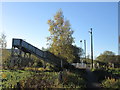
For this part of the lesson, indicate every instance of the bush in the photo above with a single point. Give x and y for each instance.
(41, 80)
(51, 80)
(111, 83)
(114, 71)
(10, 78)
(36, 69)
(73, 80)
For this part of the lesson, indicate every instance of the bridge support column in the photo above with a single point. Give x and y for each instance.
(20, 52)
(12, 51)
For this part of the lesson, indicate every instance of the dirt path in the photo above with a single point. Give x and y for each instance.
(91, 80)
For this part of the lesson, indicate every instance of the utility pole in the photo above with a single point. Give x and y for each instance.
(91, 46)
(85, 48)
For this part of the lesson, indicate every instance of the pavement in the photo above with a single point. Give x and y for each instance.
(92, 81)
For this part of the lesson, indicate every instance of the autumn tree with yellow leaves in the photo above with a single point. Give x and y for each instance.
(60, 39)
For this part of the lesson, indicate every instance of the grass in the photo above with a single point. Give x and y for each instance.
(10, 78)
(42, 79)
(29, 78)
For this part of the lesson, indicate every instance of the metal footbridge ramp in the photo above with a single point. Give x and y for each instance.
(26, 47)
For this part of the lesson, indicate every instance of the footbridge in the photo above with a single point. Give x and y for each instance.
(29, 49)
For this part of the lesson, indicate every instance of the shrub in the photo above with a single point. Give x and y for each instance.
(51, 80)
(111, 83)
(4, 75)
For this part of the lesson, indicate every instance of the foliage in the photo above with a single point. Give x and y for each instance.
(51, 80)
(19, 62)
(40, 80)
(43, 79)
(36, 69)
(3, 42)
(5, 57)
(107, 57)
(101, 74)
(87, 60)
(114, 71)
(111, 83)
(60, 39)
(5, 54)
(109, 78)
(73, 80)
(35, 61)
(10, 78)
(77, 52)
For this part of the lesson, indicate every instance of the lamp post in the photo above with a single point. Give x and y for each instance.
(91, 46)
(81, 48)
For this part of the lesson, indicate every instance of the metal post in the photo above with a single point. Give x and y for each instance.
(12, 51)
(20, 51)
(81, 48)
(85, 48)
(91, 46)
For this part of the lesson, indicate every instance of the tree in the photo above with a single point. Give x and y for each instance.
(3, 42)
(77, 52)
(5, 53)
(107, 57)
(87, 60)
(60, 39)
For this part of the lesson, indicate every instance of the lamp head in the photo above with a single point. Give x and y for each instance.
(80, 40)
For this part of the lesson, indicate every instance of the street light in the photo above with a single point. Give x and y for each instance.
(91, 46)
(81, 48)
(81, 43)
